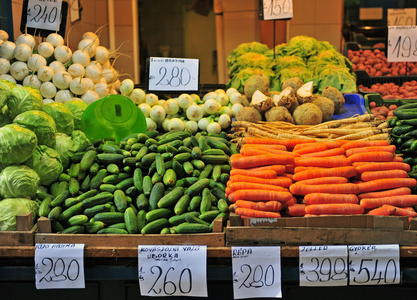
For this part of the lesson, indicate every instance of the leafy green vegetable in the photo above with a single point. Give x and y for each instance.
(42, 124)
(18, 182)
(22, 99)
(284, 62)
(300, 45)
(338, 77)
(250, 60)
(46, 163)
(63, 117)
(12, 207)
(65, 147)
(17, 144)
(80, 139)
(303, 73)
(77, 107)
(245, 48)
(4, 118)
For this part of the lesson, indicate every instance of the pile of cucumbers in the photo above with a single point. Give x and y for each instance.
(149, 183)
(404, 134)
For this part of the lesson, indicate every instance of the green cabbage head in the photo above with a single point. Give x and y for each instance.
(24, 98)
(65, 147)
(63, 117)
(46, 163)
(17, 144)
(18, 182)
(77, 107)
(12, 207)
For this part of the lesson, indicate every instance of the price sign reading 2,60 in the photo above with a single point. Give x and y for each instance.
(402, 43)
(183, 283)
(173, 74)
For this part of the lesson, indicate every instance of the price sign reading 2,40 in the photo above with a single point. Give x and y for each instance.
(59, 266)
(402, 43)
(173, 74)
(44, 14)
(256, 272)
(277, 9)
(172, 270)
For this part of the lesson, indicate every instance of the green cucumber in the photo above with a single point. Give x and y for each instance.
(155, 226)
(171, 198)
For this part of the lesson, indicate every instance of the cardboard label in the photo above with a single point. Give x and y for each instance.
(402, 43)
(401, 17)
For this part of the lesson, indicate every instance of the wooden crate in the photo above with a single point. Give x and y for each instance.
(214, 239)
(333, 230)
(24, 234)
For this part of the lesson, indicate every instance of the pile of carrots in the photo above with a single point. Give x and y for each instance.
(271, 178)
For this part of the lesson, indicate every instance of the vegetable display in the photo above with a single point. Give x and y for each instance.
(393, 91)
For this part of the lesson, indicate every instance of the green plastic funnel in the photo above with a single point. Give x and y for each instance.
(114, 116)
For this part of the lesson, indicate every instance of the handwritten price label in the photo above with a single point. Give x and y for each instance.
(276, 9)
(43, 14)
(173, 74)
(374, 264)
(59, 266)
(402, 43)
(401, 17)
(323, 265)
(256, 272)
(172, 270)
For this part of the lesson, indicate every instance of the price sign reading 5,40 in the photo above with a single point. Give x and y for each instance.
(374, 264)
(173, 74)
(172, 270)
(276, 9)
(43, 14)
(323, 265)
(402, 43)
(59, 266)
(256, 272)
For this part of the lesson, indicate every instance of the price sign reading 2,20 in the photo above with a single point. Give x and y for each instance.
(173, 74)
(402, 43)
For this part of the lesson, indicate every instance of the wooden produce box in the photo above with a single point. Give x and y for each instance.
(213, 239)
(24, 234)
(325, 230)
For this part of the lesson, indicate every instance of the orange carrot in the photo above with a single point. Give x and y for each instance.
(253, 213)
(324, 162)
(256, 186)
(252, 140)
(260, 195)
(326, 153)
(386, 193)
(252, 151)
(232, 207)
(227, 191)
(390, 148)
(326, 198)
(269, 146)
(279, 169)
(301, 168)
(398, 159)
(382, 211)
(315, 147)
(279, 181)
(246, 162)
(403, 200)
(266, 206)
(381, 156)
(324, 180)
(335, 208)
(296, 210)
(329, 144)
(372, 175)
(337, 188)
(398, 211)
(359, 143)
(288, 203)
(248, 151)
(361, 163)
(288, 175)
(385, 184)
(260, 174)
(383, 166)
(347, 172)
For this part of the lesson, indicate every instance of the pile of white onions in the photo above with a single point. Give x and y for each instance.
(59, 72)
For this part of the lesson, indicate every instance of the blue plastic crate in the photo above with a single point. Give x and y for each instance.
(354, 105)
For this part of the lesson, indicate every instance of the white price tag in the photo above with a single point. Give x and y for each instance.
(277, 9)
(59, 266)
(374, 264)
(323, 265)
(402, 43)
(172, 270)
(43, 14)
(401, 17)
(256, 272)
(173, 74)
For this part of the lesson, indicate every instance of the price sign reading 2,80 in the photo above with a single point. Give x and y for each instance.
(402, 43)
(173, 74)
(172, 270)
(59, 266)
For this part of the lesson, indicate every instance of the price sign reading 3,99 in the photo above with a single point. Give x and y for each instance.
(43, 14)
(256, 272)
(172, 270)
(59, 266)
(323, 265)
(276, 9)
(374, 264)
(173, 74)
(402, 43)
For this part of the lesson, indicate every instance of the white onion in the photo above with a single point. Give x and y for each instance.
(236, 107)
(48, 90)
(22, 52)
(63, 96)
(235, 97)
(185, 100)
(102, 54)
(223, 99)
(96, 64)
(211, 106)
(8, 77)
(90, 96)
(19, 70)
(145, 108)
(62, 80)
(93, 72)
(176, 124)
(151, 124)
(46, 101)
(46, 49)
(91, 36)
(209, 95)
(126, 87)
(55, 39)
(57, 66)
(171, 106)
(36, 61)
(117, 84)
(231, 91)
(81, 57)
(224, 121)
(4, 66)
(78, 86)
(157, 113)
(203, 123)
(151, 99)
(164, 124)
(90, 83)
(110, 75)
(7, 49)
(76, 70)
(194, 112)
(192, 126)
(214, 127)
(63, 54)
(32, 80)
(4, 35)
(102, 89)
(87, 46)
(26, 39)
(137, 96)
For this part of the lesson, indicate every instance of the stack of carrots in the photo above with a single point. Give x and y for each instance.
(308, 178)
